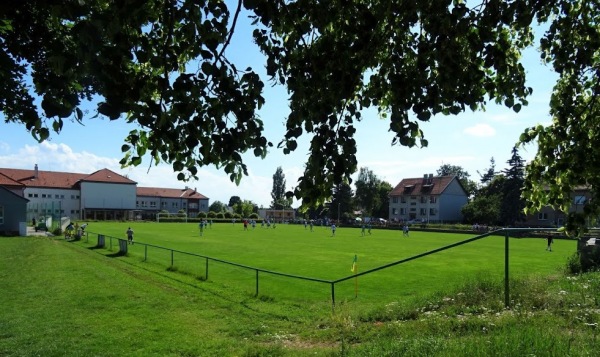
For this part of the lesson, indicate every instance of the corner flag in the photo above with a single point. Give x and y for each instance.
(354, 268)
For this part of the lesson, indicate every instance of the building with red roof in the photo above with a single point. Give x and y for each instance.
(151, 200)
(428, 199)
(101, 195)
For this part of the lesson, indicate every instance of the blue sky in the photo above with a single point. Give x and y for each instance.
(468, 140)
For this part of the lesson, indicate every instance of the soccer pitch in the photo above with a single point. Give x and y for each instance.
(295, 250)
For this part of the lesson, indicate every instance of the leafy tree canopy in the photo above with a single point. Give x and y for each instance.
(233, 200)
(278, 194)
(217, 206)
(162, 64)
(568, 155)
(366, 195)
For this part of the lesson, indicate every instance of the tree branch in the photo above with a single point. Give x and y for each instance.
(235, 17)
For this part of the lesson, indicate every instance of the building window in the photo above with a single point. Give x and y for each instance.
(423, 211)
(395, 199)
(56, 196)
(174, 205)
(394, 211)
(403, 199)
(579, 200)
(432, 199)
(35, 195)
(30, 195)
(423, 199)
(152, 204)
(1, 214)
(432, 211)
(542, 216)
(44, 195)
(183, 204)
(402, 211)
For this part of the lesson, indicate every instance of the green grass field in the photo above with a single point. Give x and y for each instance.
(71, 299)
(294, 250)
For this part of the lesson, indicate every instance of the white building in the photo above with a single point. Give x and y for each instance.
(428, 199)
(102, 195)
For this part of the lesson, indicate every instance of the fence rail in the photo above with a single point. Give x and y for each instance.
(101, 242)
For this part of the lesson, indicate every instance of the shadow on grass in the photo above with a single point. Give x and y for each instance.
(116, 255)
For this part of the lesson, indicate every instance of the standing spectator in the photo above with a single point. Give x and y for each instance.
(550, 240)
(333, 229)
(129, 235)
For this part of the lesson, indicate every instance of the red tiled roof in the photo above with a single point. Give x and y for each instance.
(48, 179)
(106, 175)
(7, 181)
(54, 179)
(417, 186)
(169, 192)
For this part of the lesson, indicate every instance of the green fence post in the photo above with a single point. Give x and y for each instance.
(333, 296)
(256, 283)
(506, 283)
(145, 252)
(206, 275)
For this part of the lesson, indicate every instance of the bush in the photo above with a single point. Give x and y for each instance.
(574, 264)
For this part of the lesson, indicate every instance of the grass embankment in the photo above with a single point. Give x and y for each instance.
(62, 299)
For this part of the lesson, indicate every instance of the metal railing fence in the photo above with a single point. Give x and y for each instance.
(171, 254)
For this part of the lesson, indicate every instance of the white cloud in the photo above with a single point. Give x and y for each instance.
(480, 130)
(212, 183)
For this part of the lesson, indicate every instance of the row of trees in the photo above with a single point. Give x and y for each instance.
(245, 208)
(496, 199)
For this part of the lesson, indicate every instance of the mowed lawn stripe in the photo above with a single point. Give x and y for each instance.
(291, 249)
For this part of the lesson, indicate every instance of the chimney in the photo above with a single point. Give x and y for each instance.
(424, 179)
(430, 179)
(35, 171)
